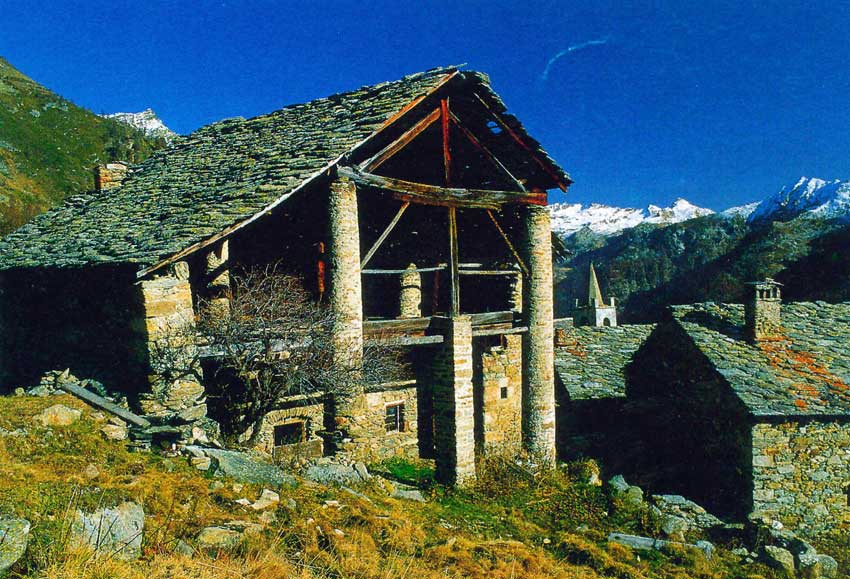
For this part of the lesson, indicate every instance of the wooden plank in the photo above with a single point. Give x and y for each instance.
(487, 152)
(488, 272)
(408, 340)
(486, 318)
(400, 271)
(447, 154)
(305, 183)
(543, 165)
(405, 139)
(454, 279)
(385, 234)
(104, 404)
(509, 244)
(425, 194)
(499, 331)
(396, 325)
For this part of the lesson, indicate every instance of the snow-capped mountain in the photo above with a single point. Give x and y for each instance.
(741, 211)
(819, 198)
(567, 218)
(147, 122)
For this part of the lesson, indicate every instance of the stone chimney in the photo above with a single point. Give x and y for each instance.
(763, 310)
(109, 176)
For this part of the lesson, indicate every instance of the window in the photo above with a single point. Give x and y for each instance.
(394, 418)
(291, 433)
(503, 392)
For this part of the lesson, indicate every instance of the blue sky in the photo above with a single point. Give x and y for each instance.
(718, 102)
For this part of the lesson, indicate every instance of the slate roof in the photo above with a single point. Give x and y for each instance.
(592, 361)
(221, 175)
(805, 374)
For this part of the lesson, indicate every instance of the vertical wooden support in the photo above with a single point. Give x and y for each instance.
(447, 155)
(454, 281)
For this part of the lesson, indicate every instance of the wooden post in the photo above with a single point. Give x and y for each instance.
(454, 280)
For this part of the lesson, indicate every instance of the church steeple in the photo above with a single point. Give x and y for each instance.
(595, 311)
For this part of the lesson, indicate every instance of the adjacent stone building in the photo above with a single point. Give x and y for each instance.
(743, 408)
(414, 210)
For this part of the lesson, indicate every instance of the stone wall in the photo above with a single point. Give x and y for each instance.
(394, 443)
(311, 413)
(801, 474)
(498, 373)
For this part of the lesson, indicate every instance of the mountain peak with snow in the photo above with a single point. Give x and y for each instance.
(816, 197)
(568, 218)
(146, 121)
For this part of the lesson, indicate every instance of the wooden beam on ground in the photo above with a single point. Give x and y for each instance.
(454, 279)
(508, 242)
(425, 194)
(387, 152)
(487, 152)
(385, 234)
(104, 404)
(519, 140)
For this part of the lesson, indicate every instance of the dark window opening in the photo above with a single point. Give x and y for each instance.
(291, 433)
(394, 418)
(606, 322)
(503, 392)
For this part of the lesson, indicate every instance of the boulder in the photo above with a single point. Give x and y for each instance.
(248, 468)
(809, 566)
(114, 432)
(674, 527)
(14, 536)
(828, 567)
(201, 462)
(334, 473)
(116, 532)
(58, 415)
(692, 513)
(623, 491)
(268, 499)
(618, 484)
(779, 558)
(649, 544)
(408, 494)
(219, 539)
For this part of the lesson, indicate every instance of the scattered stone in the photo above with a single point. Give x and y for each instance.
(650, 544)
(267, 500)
(618, 484)
(354, 493)
(58, 415)
(828, 566)
(362, 471)
(674, 527)
(199, 436)
(332, 473)
(14, 536)
(219, 539)
(693, 514)
(216, 485)
(20, 392)
(183, 548)
(114, 432)
(113, 531)
(243, 502)
(407, 493)
(247, 468)
(267, 517)
(780, 559)
(97, 416)
(201, 462)
(91, 472)
(623, 491)
(809, 566)
(290, 504)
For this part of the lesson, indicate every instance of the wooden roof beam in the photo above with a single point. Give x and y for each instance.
(425, 194)
(400, 143)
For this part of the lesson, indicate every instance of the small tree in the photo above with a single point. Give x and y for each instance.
(271, 342)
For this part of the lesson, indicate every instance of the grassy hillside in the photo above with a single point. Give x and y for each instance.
(48, 147)
(710, 259)
(512, 524)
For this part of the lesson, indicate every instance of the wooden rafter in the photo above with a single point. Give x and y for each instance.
(385, 234)
(447, 153)
(519, 140)
(487, 152)
(508, 242)
(426, 194)
(387, 152)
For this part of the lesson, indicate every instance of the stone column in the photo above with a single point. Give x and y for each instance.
(176, 393)
(346, 303)
(454, 411)
(538, 368)
(410, 296)
(218, 280)
(516, 291)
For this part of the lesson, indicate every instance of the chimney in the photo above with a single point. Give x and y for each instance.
(109, 176)
(762, 312)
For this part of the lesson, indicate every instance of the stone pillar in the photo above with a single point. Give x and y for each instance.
(454, 411)
(109, 176)
(516, 291)
(763, 311)
(176, 393)
(217, 275)
(410, 296)
(346, 303)
(538, 367)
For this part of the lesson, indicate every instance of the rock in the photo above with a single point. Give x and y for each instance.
(219, 538)
(201, 462)
(674, 527)
(828, 566)
(334, 473)
(629, 494)
(243, 502)
(114, 432)
(97, 416)
(809, 566)
(91, 472)
(290, 504)
(780, 559)
(706, 547)
(362, 471)
(183, 548)
(113, 531)
(20, 392)
(247, 468)
(58, 415)
(14, 536)
(408, 495)
(618, 484)
(267, 500)
(679, 506)
(650, 544)
(199, 435)
(633, 496)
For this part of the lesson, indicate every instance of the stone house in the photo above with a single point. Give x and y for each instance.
(464, 283)
(743, 408)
